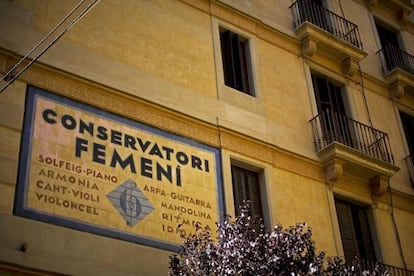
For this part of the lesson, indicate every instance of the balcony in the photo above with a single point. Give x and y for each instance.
(344, 144)
(398, 69)
(393, 270)
(324, 32)
(362, 265)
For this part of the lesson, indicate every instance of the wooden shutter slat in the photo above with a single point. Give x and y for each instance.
(355, 232)
(255, 198)
(246, 186)
(366, 239)
(237, 188)
(346, 229)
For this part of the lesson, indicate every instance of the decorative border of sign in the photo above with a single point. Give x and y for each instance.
(20, 204)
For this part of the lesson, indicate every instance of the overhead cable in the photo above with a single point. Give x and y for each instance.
(12, 74)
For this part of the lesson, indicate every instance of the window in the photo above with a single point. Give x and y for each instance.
(408, 125)
(246, 187)
(328, 95)
(393, 55)
(386, 36)
(355, 232)
(313, 12)
(331, 108)
(235, 53)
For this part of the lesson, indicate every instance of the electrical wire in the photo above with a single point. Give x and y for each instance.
(389, 182)
(41, 41)
(395, 226)
(13, 75)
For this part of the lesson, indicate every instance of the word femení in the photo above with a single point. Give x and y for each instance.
(135, 163)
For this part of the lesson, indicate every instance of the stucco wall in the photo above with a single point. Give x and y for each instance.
(167, 54)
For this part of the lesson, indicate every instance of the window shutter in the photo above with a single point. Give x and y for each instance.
(347, 230)
(365, 240)
(227, 57)
(254, 194)
(237, 179)
(355, 232)
(244, 67)
(246, 186)
(236, 58)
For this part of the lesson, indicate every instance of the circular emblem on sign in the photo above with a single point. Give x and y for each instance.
(130, 202)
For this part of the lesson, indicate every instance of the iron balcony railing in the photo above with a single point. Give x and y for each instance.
(377, 268)
(392, 57)
(308, 10)
(330, 126)
(409, 160)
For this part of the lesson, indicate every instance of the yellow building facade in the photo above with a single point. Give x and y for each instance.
(145, 115)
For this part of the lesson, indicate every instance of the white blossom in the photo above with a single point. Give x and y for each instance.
(242, 247)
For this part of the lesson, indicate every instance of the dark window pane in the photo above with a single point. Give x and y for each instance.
(328, 95)
(331, 106)
(236, 61)
(313, 12)
(386, 36)
(390, 47)
(408, 124)
(226, 51)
